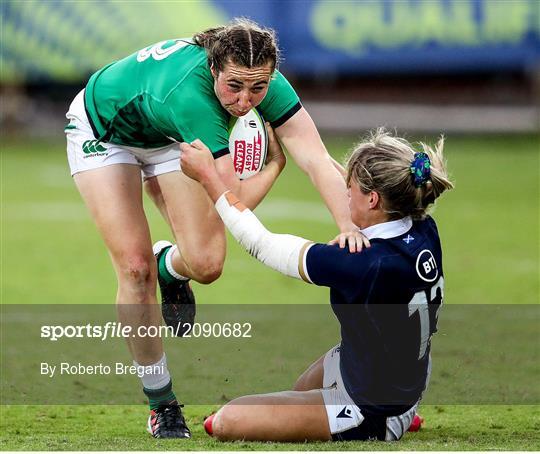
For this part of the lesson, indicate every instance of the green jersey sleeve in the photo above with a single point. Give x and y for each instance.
(281, 102)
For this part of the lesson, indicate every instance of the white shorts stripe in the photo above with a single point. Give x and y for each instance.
(342, 412)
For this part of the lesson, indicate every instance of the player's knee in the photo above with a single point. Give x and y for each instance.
(137, 272)
(210, 274)
(310, 379)
(205, 269)
(301, 384)
(227, 423)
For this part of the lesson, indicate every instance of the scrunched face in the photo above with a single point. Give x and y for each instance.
(240, 89)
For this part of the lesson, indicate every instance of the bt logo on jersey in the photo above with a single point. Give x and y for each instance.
(426, 267)
(429, 265)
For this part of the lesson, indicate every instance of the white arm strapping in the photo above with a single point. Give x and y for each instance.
(277, 251)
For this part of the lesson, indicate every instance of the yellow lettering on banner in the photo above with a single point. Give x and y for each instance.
(507, 21)
(368, 24)
(352, 26)
(344, 25)
(405, 23)
(463, 27)
(397, 30)
(432, 23)
(323, 25)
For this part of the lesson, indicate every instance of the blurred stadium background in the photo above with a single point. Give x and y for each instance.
(467, 68)
(419, 65)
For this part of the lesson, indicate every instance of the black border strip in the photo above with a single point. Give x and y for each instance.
(94, 130)
(220, 153)
(277, 123)
(107, 135)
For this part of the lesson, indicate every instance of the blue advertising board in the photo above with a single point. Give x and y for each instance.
(66, 41)
(401, 36)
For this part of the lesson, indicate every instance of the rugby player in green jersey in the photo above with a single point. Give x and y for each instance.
(129, 119)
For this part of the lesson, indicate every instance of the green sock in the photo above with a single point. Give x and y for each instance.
(162, 268)
(159, 397)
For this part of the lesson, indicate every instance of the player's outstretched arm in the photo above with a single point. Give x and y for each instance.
(302, 140)
(283, 253)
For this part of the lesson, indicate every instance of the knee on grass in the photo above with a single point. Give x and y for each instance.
(227, 423)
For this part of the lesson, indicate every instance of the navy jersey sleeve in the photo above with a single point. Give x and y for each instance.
(349, 273)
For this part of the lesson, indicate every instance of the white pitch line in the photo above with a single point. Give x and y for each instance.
(277, 209)
(56, 176)
(270, 210)
(47, 211)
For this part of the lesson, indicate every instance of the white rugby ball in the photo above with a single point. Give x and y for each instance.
(248, 143)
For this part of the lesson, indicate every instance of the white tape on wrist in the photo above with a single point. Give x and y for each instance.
(283, 253)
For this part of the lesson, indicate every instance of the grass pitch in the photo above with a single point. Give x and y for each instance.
(51, 254)
(97, 428)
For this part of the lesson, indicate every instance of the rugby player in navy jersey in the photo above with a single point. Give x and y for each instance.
(386, 298)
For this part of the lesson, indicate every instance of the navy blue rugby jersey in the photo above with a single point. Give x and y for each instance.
(386, 299)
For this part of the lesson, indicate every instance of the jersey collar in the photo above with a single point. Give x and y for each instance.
(389, 229)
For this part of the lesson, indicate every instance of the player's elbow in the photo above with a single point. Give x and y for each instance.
(317, 164)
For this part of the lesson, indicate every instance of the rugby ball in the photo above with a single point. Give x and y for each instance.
(248, 143)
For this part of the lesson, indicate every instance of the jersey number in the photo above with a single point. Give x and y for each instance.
(419, 302)
(158, 52)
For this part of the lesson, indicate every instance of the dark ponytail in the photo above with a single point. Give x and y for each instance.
(243, 42)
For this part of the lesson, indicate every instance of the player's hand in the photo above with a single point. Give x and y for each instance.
(196, 160)
(275, 152)
(355, 239)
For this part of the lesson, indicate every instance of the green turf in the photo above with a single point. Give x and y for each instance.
(489, 227)
(471, 428)
(51, 254)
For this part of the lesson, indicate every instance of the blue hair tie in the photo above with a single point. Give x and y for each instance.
(420, 169)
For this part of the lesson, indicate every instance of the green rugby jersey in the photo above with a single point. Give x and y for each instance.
(166, 92)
